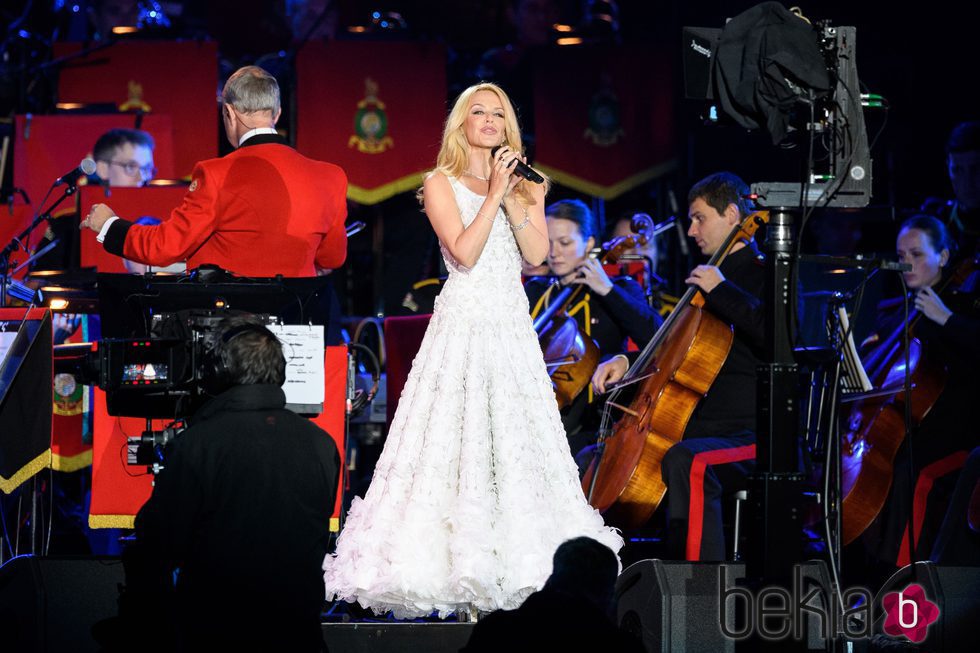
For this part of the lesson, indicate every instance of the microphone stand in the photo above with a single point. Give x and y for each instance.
(15, 243)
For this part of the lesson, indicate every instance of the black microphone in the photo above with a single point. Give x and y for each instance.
(522, 169)
(84, 169)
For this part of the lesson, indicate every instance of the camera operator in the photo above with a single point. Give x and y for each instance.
(241, 511)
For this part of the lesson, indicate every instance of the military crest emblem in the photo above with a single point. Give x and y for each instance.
(605, 119)
(68, 395)
(135, 100)
(370, 123)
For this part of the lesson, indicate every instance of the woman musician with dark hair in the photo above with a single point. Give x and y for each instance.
(609, 311)
(946, 325)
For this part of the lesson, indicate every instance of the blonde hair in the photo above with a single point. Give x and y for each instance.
(453, 156)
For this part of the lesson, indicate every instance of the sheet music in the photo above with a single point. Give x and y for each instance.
(6, 340)
(855, 378)
(303, 347)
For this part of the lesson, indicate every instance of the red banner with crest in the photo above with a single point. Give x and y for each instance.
(375, 109)
(604, 117)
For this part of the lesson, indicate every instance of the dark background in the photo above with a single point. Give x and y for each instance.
(921, 60)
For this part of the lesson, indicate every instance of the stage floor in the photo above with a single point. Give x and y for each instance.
(393, 636)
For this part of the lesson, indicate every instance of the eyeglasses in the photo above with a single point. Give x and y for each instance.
(131, 168)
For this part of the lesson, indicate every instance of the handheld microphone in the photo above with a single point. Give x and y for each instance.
(522, 169)
(85, 168)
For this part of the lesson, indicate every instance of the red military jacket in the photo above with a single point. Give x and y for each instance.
(259, 211)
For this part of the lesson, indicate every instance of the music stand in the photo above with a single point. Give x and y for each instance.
(25, 395)
(25, 405)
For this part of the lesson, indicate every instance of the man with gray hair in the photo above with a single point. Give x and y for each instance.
(260, 211)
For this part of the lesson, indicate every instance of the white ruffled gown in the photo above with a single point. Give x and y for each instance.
(475, 487)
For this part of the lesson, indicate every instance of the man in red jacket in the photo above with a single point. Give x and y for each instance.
(260, 211)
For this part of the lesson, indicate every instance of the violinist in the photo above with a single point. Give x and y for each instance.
(951, 428)
(717, 451)
(610, 311)
(623, 227)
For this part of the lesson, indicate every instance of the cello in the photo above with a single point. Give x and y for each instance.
(875, 428)
(570, 355)
(673, 372)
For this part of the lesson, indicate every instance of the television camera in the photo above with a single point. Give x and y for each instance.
(156, 357)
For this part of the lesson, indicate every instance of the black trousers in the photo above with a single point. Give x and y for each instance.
(698, 473)
(958, 544)
(927, 497)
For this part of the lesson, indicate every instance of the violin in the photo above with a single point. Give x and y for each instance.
(875, 428)
(674, 371)
(570, 355)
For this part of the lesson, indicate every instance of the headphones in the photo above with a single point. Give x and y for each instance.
(217, 372)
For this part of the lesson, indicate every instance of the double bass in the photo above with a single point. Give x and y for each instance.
(875, 428)
(570, 355)
(673, 372)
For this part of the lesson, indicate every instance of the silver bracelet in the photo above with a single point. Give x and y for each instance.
(518, 227)
(480, 214)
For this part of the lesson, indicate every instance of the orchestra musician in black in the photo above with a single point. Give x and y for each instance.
(612, 310)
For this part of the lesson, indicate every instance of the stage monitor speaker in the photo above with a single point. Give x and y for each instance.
(674, 607)
(48, 605)
(956, 590)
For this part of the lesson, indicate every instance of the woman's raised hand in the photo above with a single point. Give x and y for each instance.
(502, 177)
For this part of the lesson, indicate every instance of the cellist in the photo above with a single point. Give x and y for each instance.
(610, 311)
(951, 428)
(718, 449)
